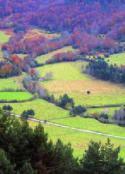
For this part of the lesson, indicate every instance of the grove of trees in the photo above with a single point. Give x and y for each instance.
(99, 68)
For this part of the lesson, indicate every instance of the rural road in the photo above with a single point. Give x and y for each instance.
(73, 128)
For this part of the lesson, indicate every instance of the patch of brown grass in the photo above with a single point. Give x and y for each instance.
(35, 33)
(95, 86)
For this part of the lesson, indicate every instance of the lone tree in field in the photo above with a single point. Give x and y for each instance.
(27, 114)
(77, 110)
(66, 102)
(7, 109)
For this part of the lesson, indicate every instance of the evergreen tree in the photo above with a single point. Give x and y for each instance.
(66, 102)
(5, 165)
(102, 159)
(64, 161)
(27, 169)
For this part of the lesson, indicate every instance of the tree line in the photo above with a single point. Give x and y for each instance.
(100, 69)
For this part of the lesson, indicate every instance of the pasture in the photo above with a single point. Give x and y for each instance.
(13, 83)
(118, 59)
(93, 125)
(43, 110)
(78, 140)
(19, 96)
(3, 37)
(62, 72)
(67, 78)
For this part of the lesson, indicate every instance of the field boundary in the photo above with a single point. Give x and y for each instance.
(17, 101)
(105, 106)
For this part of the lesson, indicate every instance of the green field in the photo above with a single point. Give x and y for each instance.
(118, 59)
(62, 72)
(79, 140)
(43, 110)
(3, 37)
(13, 83)
(93, 125)
(9, 96)
(67, 78)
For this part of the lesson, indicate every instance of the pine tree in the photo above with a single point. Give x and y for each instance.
(5, 165)
(27, 169)
(102, 159)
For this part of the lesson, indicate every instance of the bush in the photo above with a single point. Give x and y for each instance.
(77, 110)
(119, 116)
(65, 102)
(31, 112)
(50, 98)
(7, 108)
(27, 114)
(104, 116)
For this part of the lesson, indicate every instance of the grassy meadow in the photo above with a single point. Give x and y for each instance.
(93, 125)
(3, 37)
(67, 78)
(43, 110)
(13, 83)
(118, 59)
(78, 140)
(10, 96)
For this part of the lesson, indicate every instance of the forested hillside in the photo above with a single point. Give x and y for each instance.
(75, 20)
